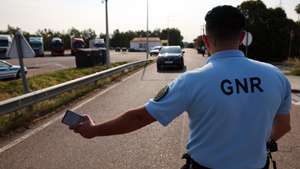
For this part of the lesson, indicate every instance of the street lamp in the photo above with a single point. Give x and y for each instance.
(147, 32)
(107, 35)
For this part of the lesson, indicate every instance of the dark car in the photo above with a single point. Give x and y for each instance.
(170, 57)
(57, 47)
(201, 50)
(118, 49)
(155, 51)
(124, 49)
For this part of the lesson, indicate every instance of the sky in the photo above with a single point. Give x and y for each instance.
(60, 15)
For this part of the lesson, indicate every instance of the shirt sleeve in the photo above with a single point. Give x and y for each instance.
(285, 106)
(170, 106)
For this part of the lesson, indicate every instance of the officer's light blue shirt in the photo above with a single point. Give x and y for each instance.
(231, 103)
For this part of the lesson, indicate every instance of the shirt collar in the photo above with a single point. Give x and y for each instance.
(225, 54)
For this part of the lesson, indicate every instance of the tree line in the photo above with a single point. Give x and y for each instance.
(118, 39)
(275, 36)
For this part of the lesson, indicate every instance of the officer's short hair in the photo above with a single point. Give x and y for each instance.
(225, 22)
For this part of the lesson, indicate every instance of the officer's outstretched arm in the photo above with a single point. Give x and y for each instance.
(125, 123)
(282, 125)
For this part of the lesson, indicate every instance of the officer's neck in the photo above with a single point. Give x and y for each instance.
(223, 47)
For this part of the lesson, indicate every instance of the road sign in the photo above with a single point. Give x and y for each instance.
(26, 49)
(248, 38)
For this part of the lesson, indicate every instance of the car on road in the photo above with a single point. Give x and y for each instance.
(37, 45)
(124, 49)
(97, 43)
(155, 50)
(57, 47)
(170, 57)
(117, 49)
(8, 70)
(201, 50)
(5, 43)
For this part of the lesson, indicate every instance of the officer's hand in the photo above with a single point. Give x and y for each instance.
(86, 128)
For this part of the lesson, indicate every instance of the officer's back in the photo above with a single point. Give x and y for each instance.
(232, 103)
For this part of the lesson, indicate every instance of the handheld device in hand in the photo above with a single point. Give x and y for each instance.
(72, 118)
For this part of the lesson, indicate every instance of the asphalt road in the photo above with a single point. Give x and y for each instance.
(41, 65)
(153, 147)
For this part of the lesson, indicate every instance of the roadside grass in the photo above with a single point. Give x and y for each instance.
(23, 118)
(14, 88)
(295, 67)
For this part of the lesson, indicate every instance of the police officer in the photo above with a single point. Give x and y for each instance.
(235, 104)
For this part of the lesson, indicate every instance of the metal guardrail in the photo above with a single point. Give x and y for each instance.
(16, 103)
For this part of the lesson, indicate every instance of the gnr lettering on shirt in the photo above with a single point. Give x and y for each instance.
(245, 85)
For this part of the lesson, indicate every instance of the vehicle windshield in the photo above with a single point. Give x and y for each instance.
(3, 43)
(3, 64)
(156, 48)
(56, 44)
(170, 50)
(36, 44)
(99, 45)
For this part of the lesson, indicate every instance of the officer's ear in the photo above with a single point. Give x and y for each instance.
(206, 42)
(242, 36)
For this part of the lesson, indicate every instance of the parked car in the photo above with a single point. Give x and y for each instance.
(118, 49)
(37, 45)
(155, 50)
(5, 43)
(8, 70)
(97, 43)
(124, 49)
(57, 47)
(170, 57)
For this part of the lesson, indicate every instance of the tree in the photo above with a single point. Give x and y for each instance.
(173, 35)
(270, 29)
(297, 9)
(88, 34)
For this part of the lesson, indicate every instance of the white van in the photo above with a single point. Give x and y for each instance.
(5, 43)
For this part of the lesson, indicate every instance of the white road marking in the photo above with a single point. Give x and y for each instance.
(296, 103)
(40, 128)
(295, 100)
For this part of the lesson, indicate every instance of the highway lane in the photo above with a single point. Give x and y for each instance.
(41, 65)
(152, 147)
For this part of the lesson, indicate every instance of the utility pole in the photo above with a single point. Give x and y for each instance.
(280, 3)
(107, 36)
(147, 33)
(291, 41)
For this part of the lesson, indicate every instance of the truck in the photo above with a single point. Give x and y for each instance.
(96, 43)
(57, 47)
(76, 43)
(37, 44)
(5, 44)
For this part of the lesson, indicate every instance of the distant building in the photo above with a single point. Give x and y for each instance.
(164, 42)
(140, 44)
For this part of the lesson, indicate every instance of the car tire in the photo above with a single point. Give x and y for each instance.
(158, 68)
(18, 75)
